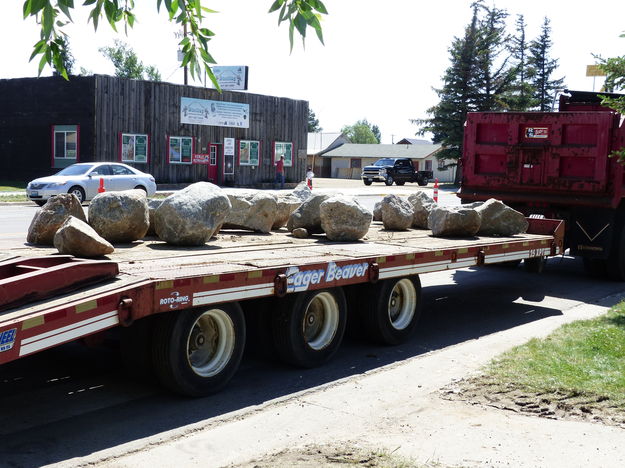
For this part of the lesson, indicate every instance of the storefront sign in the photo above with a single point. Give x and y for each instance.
(201, 158)
(229, 146)
(215, 113)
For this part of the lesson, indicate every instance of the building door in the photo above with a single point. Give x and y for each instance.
(213, 153)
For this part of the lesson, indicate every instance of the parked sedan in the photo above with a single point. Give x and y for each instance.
(83, 180)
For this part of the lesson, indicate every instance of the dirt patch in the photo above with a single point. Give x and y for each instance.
(323, 456)
(483, 390)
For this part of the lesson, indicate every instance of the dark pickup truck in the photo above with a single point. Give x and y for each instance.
(398, 170)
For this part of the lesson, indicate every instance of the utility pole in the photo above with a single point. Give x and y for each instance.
(184, 31)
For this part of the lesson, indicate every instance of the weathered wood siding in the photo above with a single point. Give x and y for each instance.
(132, 106)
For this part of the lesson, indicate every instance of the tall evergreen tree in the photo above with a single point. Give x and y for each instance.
(543, 66)
(520, 97)
(313, 122)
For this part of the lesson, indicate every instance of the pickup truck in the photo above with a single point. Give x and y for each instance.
(398, 170)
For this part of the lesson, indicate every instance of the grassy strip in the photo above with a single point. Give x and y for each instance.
(11, 186)
(584, 358)
(13, 198)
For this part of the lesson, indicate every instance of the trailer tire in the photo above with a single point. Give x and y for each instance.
(196, 352)
(391, 308)
(308, 327)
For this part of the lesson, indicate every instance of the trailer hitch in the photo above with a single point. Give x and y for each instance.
(280, 283)
(374, 272)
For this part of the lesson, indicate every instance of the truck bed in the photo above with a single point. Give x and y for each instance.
(156, 278)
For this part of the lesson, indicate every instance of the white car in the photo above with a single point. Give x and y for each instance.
(84, 179)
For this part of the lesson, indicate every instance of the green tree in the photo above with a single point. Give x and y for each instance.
(127, 63)
(362, 132)
(543, 67)
(313, 122)
(520, 96)
(67, 58)
(53, 15)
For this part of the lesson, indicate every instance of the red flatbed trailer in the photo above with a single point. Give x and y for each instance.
(193, 295)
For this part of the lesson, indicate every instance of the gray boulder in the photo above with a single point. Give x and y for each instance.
(75, 237)
(454, 221)
(302, 191)
(49, 218)
(377, 211)
(421, 205)
(254, 211)
(193, 215)
(498, 219)
(120, 216)
(300, 233)
(287, 204)
(344, 219)
(307, 215)
(153, 204)
(397, 214)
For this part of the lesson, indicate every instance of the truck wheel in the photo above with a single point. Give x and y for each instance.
(367, 182)
(534, 264)
(423, 182)
(390, 309)
(389, 180)
(400, 182)
(308, 327)
(197, 352)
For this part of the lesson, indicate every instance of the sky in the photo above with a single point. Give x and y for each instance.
(380, 61)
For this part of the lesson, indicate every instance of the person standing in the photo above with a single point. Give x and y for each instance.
(280, 172)
(309, 177)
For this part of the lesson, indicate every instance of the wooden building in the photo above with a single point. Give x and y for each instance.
(180, 134)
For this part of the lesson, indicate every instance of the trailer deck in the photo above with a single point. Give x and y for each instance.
(156, 278)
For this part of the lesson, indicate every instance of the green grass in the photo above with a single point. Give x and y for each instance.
(11, 186)
(583, 358)
(13, 198)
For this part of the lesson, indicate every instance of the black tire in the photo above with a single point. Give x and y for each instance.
(389, 180)
(534, 264)
(390, 309)
(400, 182)
(308, 327)
(367, 182)
(78, 193)
(40, 202)
(182, 356)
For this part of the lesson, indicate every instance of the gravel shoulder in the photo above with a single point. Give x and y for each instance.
(401, 409)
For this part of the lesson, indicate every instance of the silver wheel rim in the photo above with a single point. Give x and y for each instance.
(78, 194)
(402, 303)
(321, 320)
(210, 343)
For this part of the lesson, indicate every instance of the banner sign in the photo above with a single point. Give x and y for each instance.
(231, 77)
(215, 113)
(201, 158)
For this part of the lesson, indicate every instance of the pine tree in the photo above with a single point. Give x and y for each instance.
(521, 91)
(543, 66)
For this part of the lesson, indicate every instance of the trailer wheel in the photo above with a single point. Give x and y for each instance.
(308, 327)
(197, 352)
(391, 309)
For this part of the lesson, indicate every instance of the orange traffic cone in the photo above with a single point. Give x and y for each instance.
(435, 190)
(101, 187)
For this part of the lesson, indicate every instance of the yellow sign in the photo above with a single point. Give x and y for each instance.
(594, 70)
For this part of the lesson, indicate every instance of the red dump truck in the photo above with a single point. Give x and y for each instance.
(185, 311)
(559, 165)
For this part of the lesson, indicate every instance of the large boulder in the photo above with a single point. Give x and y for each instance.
(49, 218)
(421, 205)
(344, 219)
(193, 215)
(302, 191)
(287, 204)
(377, 211)
(454, 221)
(120, 216)
(153, 204)
(307, 215)
(397, 213)
(498, 219)
(255, 211)
(75, 237)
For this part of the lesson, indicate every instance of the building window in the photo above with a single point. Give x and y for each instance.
(134, 148)
(356, 163)
(213, 155)
(249, 152)
(283, 149)
(441, 165)
(428, 165)
(180, 150)
(65, 145)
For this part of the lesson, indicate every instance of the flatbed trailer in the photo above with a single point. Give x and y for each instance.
(192, 298)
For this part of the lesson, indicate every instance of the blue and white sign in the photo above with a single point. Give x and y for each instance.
(215, 113)
(231, 77)
(7, 339)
